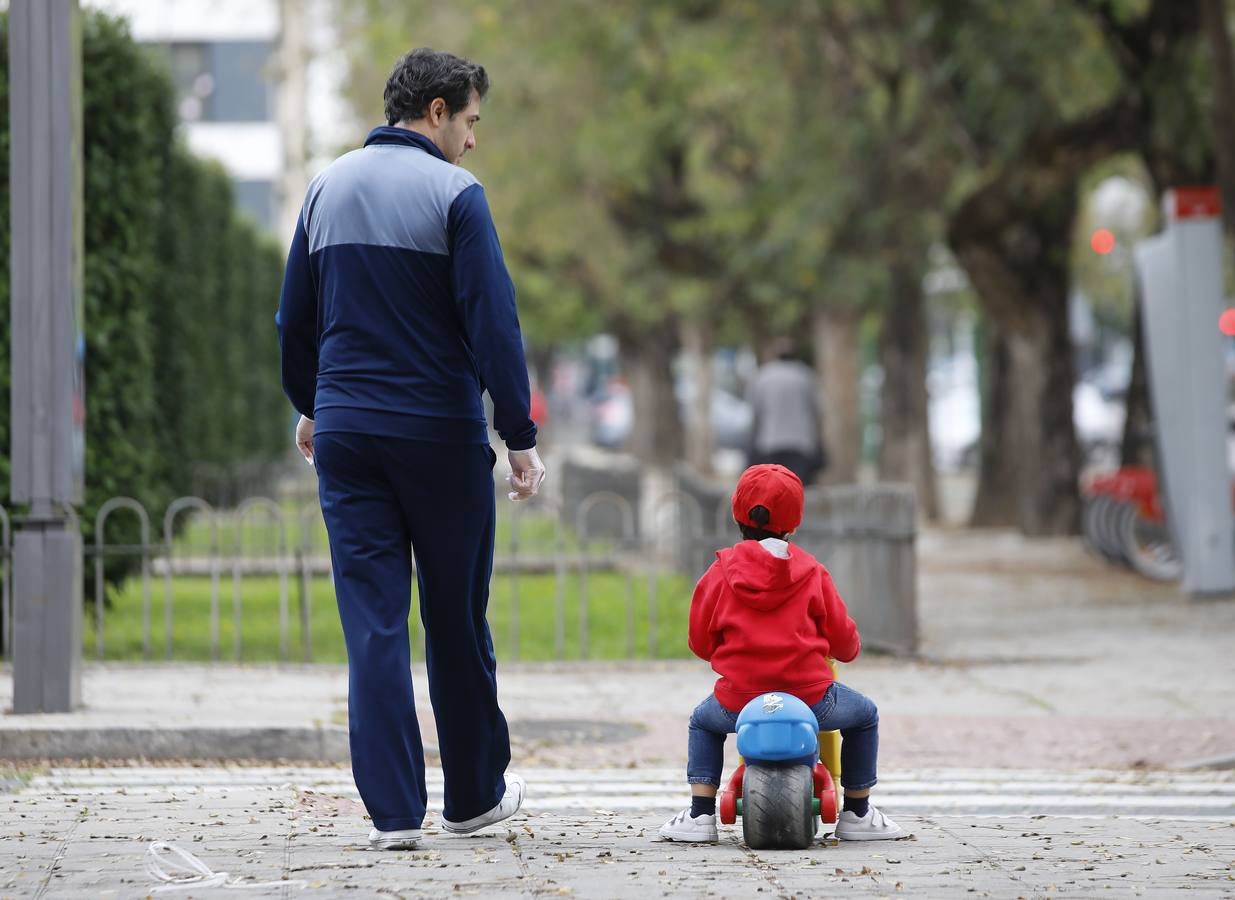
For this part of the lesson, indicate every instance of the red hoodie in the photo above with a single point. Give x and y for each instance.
(769, 624)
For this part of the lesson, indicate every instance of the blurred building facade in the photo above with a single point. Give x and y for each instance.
(244, 72)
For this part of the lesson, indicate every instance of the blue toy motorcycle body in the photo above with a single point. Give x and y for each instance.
(781, 786)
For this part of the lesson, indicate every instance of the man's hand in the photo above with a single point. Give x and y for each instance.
(526, 473)
(304, 438)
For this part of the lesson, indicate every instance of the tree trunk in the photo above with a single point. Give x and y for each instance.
(838, 367)
(905, 452)
(1041, 378)
(994, 504)
(697, 348)
(656, 438)
(541, 361)
(1137, 446)
(1029, 438)
(1213, 14)
(1010, 236)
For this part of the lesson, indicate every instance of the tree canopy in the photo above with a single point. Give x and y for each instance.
(743, 167)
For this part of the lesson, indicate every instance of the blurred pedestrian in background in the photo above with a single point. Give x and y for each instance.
(787, 425)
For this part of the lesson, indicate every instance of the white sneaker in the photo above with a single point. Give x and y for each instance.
(696, 830)
(507, 807)
(874, 826)
(408, 839)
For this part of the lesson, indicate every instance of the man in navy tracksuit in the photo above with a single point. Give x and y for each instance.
(396, 314)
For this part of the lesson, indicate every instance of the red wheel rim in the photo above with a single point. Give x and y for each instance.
(827, 806)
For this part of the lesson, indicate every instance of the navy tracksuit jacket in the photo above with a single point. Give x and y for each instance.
(397, 312)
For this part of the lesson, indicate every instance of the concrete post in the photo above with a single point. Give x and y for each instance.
(47, 423)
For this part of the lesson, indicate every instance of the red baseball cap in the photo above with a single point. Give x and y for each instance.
(775, 488)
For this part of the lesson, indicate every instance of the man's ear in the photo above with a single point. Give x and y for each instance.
(437, 111)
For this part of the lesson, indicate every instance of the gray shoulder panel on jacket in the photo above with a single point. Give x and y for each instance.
(386, 196)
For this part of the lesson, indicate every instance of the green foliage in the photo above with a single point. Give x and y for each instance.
(180, 291)
(746, 160)
(749, 163)
(739, 162)
(617, 153)
(127, 119)
(219, 402)
(1007, 68)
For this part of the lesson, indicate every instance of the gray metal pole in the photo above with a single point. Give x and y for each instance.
(45, 178)
(1182, 296)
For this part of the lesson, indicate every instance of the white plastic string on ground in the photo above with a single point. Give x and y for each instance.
(180, 870)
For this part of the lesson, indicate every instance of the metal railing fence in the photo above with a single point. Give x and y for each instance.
(562, 587)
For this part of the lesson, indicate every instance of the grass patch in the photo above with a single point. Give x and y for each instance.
(523, 617)
(532, 617)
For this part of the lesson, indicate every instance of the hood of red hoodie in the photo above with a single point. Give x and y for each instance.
(763, 581)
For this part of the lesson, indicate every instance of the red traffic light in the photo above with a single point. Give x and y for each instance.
(1226, 322)
(1102, 241)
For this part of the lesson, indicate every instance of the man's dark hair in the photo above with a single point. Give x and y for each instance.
(786, 349)
(760, 516)
(423, 75)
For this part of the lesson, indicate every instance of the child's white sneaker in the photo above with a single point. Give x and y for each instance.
(506, 807)
(696, 830)
(407, 839)
(874, 826)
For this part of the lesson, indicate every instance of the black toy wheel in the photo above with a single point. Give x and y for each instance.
(777, 813)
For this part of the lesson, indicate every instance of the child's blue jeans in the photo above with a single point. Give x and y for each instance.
(841, 709)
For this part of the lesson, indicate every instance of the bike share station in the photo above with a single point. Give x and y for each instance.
(1177, 523)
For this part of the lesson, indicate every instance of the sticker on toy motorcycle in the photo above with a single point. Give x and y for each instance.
(772, 703)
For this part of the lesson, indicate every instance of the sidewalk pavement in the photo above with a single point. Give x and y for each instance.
(1033, 657)
(76, 842)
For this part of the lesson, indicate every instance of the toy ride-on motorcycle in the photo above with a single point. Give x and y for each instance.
(789, 775)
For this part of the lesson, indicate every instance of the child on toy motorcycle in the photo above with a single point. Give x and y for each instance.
(767, 616)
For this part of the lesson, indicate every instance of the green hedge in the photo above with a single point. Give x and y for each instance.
(219, 399)
(180, 293)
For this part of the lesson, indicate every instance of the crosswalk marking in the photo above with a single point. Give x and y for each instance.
(1206, 796)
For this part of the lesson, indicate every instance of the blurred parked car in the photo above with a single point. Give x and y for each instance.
(731, 416)
(956, 416)
(1099, 417)
(613, 415)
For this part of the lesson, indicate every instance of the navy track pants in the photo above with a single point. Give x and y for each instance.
(384, 499)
